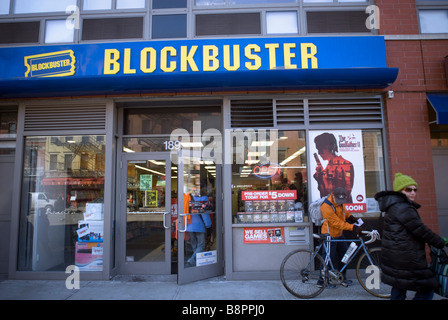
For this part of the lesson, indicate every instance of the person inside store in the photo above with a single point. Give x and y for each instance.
(403, 256)
(199, 224)
(338, 172)
(336, 220)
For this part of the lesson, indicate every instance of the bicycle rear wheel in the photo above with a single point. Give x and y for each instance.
(369, 275)
(301, 275)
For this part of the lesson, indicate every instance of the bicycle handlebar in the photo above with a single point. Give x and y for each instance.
(374, 235)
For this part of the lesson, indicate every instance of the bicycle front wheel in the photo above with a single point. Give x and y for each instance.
(301, 274)
(368, 272)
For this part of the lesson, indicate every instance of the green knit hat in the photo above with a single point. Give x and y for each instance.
(402, 181)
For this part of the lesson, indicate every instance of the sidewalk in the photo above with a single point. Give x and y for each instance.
(140, 288)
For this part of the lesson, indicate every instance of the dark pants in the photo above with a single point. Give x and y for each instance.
(399, 294)
(337, 251)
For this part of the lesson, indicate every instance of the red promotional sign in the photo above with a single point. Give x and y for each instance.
(355, 207)
(269, 195)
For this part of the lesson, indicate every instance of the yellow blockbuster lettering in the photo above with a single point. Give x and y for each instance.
(186, 57)
(272, 57)
(144, 60)
(164, 59)
(256, 63)
(288, 55)
(111, 65)
(210, 62)
(127, 62)
(308, 52)
(236, 58)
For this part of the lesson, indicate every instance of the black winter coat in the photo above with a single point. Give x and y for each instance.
(403, 257)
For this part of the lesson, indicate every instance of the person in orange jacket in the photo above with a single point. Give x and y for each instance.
(335, 220)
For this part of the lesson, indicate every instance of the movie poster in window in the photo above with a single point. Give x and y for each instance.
(337, 161)
(151, 198)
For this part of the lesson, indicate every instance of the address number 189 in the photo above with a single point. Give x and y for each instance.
(172, 145)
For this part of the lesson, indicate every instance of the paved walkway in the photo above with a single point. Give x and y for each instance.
(140, 288)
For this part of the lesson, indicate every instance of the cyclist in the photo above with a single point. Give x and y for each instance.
(336, 220)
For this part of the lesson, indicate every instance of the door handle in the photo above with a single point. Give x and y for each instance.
(164, 220)
(185, 221)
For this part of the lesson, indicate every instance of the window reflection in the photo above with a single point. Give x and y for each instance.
(62, 214)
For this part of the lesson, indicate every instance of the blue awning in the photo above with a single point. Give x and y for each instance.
(439, 102)
(196, 65)
(357, 78)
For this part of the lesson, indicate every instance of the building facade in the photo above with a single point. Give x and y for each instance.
(187, 138)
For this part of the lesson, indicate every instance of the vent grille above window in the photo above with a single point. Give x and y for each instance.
(112, 28)
(19, 32)
(290, 112)
(251, 113)
(293, 113)
(366, 110)
(65, 117)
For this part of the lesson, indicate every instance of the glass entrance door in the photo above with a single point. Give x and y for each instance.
(199, 221)
(170, 217)
(146, 223)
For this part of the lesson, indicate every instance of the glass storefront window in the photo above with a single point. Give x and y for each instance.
(62, 214)
(270, 191)
(439, 139)
(154, 126)
(269, 177)
(166, 120)
(374, 171)
(8, 124)
(439, 132)
(8, 132)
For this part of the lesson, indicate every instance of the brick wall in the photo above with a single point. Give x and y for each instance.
(397, 17)
(421, 69)
(410, 148)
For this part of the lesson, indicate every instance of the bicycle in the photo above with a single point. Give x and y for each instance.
(305, 273)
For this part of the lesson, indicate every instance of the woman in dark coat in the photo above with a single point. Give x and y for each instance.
(404, 264)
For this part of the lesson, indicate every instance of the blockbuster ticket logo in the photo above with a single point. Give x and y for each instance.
(54, 64)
